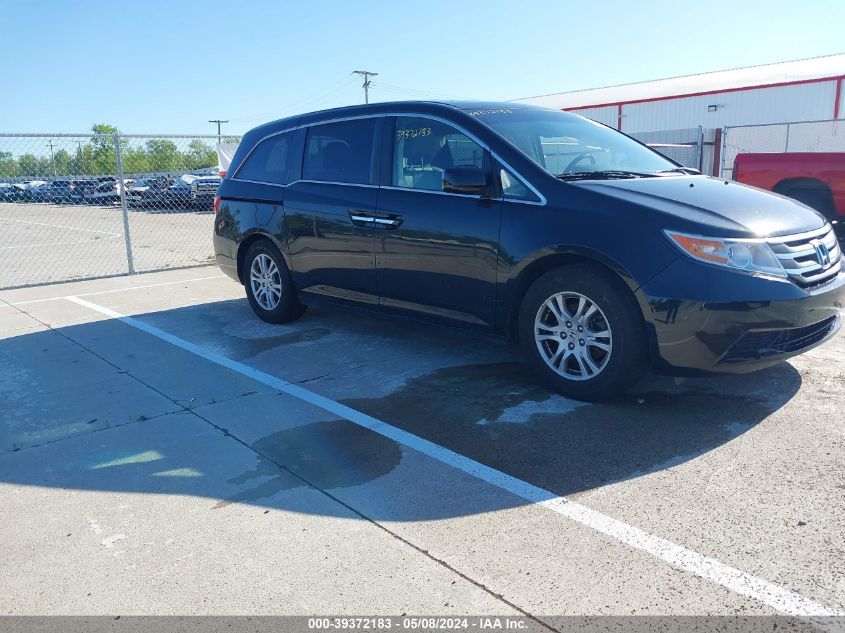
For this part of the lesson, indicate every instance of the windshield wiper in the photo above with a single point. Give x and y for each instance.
(609, 174)
(681, 170)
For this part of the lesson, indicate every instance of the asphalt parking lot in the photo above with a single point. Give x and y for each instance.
(162, 451)
(44, 243)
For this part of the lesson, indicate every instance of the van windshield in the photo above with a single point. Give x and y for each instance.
(571, 147)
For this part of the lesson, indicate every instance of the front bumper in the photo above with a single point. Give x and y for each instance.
(705, 320)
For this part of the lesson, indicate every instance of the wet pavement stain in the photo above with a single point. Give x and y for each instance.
(564, 448)
(330, 454)
(241, 349)
(230, 329)
(252, 347)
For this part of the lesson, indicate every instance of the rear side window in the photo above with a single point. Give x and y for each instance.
(340, 152)
(269, 161)
(424, 148)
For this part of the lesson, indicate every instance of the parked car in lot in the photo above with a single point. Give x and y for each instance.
(12, 192)
(203, 190)
(163, 192)
(178, 193)
(81, 188)
(815, 178)
(149, 192)
(106, 192)
(599, 255)
(38, 191)
(69, 191)
(135, 192)
(60, 191)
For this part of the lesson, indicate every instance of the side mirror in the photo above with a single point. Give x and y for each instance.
(466, 179)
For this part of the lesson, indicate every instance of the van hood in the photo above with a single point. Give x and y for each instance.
(731, 209)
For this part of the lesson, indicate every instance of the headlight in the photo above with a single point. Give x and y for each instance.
(752, 256)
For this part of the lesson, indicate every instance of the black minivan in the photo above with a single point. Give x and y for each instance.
(601, 256)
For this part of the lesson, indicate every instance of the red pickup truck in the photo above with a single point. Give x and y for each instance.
(815, 178)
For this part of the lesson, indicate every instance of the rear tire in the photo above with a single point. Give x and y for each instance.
(582, 333)
(268, 284)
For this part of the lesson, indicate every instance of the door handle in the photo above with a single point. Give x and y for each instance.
(373, 219)
(389, 223)
(361, 219)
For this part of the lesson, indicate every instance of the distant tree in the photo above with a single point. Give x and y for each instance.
(104, 128)
(30, 165)
(164, 155)
(97, 156)
(136, 161)
(62, 160)
(9, 167)
(200, 155)
(103, 159)
(82, 160)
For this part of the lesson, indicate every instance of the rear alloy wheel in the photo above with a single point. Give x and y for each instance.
(266, 281)
(582, 332)
(269, 287)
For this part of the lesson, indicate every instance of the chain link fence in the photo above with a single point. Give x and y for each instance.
(804, 136)
(691, 147)
(78, 206)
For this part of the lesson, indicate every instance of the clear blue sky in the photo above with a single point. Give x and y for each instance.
(169, 66)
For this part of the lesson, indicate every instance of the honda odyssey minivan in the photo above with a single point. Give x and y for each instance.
(599, 255)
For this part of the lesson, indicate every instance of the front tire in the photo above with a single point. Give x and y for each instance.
(268, 284)
(582, 333)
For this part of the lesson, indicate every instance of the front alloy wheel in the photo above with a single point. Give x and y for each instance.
(582, 332)
(573, 336)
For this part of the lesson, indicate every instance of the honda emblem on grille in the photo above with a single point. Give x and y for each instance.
(822, 253)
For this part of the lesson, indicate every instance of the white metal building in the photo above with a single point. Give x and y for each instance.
(668, 110)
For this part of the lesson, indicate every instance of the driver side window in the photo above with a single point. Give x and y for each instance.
(424, 148)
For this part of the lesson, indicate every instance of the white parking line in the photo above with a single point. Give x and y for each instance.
(93, 239)
(677, 556)
(103, 292)
(61, 226)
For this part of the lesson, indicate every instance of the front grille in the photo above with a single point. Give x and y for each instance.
(799, 256)
(758, 345)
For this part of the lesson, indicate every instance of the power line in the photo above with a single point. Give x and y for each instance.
(323, 98)
(330, 90)
(366, 74)
(413, 92)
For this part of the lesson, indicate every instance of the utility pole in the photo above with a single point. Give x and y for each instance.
(52, 158)
(79, 164)
(366, 74)
(218, 122)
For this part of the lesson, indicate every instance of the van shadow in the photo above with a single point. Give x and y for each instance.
(74, 416)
